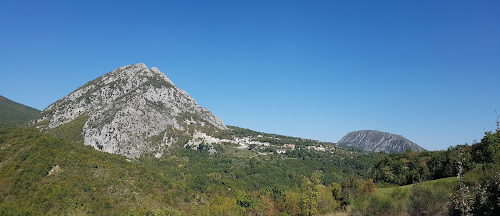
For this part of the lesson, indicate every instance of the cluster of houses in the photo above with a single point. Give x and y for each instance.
(315, 148)
(243, 142)
(248, 143)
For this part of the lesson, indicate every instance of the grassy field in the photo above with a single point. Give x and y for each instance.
(450, 182)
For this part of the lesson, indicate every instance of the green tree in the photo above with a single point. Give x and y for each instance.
(309, 194)
(336, 191)
(488, 150)
(244, 200)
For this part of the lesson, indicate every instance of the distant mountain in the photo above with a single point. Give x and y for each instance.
(15, 114)
(377, 141)
(132, 111)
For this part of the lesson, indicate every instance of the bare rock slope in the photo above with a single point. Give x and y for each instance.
(377, 141)
(132, 111)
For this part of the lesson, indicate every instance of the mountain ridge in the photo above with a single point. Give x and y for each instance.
(377, 141)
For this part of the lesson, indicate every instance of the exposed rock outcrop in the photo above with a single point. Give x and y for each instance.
(132, 111)
(377, 141)
(55, 170)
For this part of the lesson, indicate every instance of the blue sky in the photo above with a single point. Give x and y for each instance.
(428, 70)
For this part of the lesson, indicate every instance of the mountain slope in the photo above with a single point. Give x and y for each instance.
(42, 174)
(15, 114)
(132, 111)
(377, 141)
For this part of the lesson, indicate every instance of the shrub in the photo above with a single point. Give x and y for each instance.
(428, 200)
(376, 204)
(480, 193)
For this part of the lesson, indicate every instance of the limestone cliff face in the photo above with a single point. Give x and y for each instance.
(378, 141)
(131, 111)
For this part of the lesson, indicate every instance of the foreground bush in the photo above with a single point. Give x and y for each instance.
(428, 200)
(479, 193)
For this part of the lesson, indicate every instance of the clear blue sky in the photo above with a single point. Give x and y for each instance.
(428, 70)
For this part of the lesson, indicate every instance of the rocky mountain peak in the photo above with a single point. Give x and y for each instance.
(377, 141)
(132, 110)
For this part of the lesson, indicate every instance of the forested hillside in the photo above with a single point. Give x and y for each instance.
(15, 114)
(41, 173)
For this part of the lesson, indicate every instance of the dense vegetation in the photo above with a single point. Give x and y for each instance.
(473, 186)
(15, 114)
(412, 167)
(54, 173)
(41, 173)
